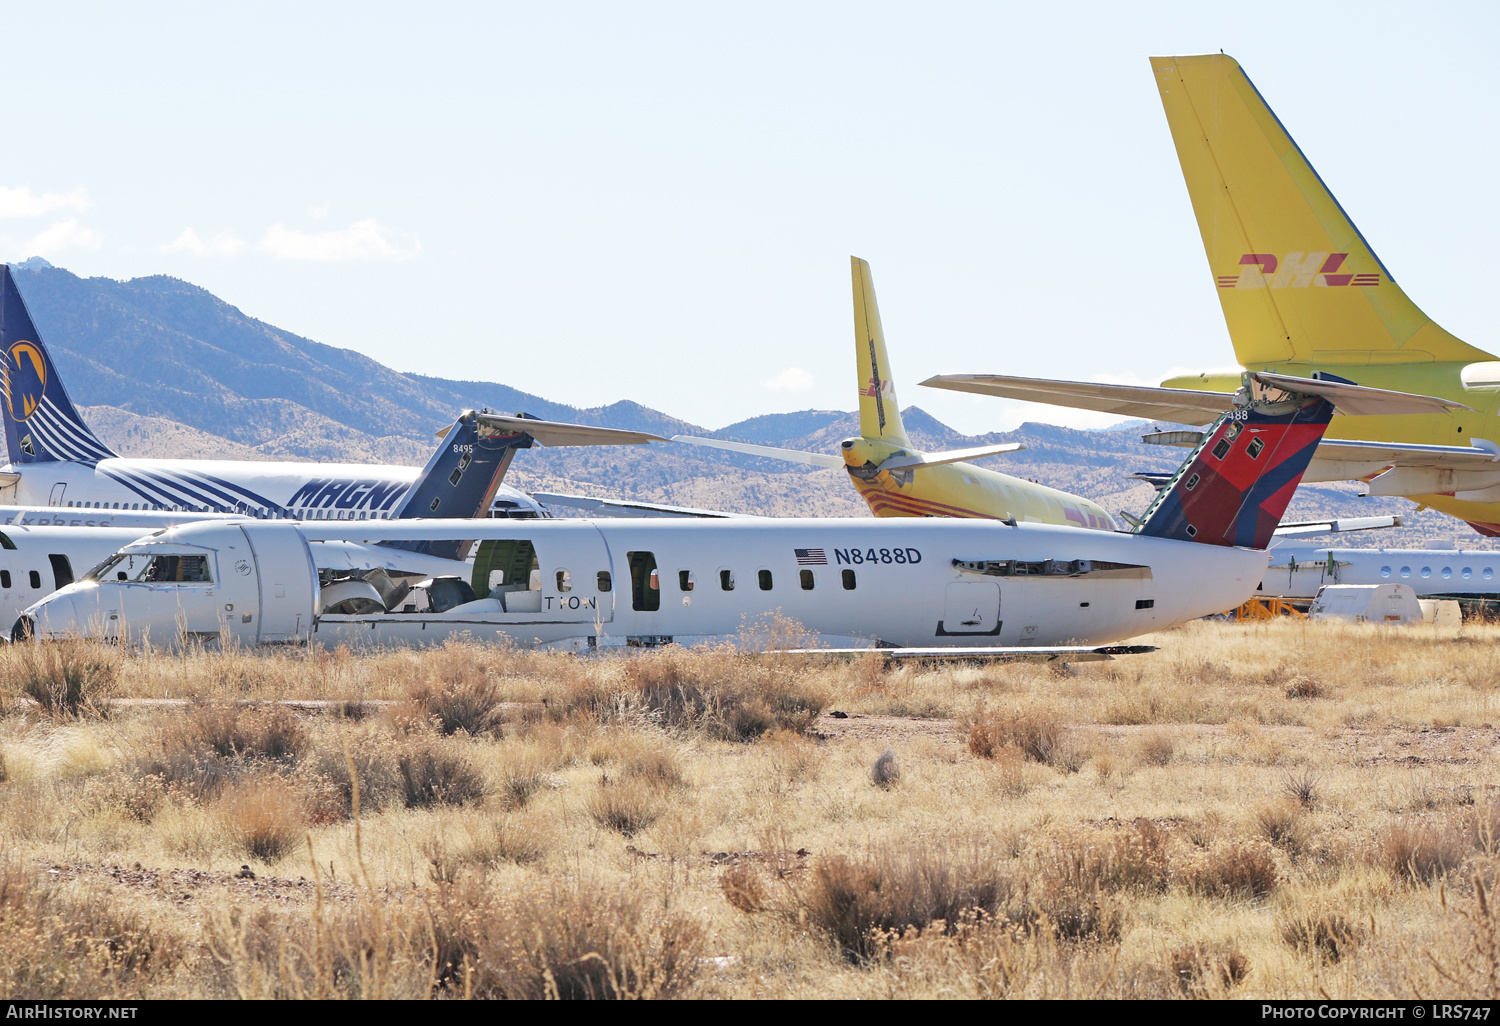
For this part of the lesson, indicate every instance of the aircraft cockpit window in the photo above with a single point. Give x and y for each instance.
(176, 570)
(564, 581)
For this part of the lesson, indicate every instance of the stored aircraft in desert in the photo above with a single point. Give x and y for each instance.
(898, 480)
(1304, 294)
(914, 584)
(56, 461)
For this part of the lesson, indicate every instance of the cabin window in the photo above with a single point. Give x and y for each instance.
(1145, 603)
(5, 579)
(605, 582)
(807, 579)
(1426, 572)
(848, 580)
(564, 581)
(726, 580)
(1467, 573)
(1221, 449)
(684, 580)
(1192, 482)
(1447, 572)
(1406, 571)
(1192, 532)
(764, 577)
(645, 586)
(1489, 572)
(1385, 571)
(1253, 450)
(36, 579)
(177, 570)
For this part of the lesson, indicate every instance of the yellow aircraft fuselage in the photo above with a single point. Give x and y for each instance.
(960, 490)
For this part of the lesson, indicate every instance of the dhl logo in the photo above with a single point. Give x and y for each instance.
(1294, 271)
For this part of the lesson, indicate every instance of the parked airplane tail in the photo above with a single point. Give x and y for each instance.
(41, 423)
(463, 474)
(879, 414)
(1296, 279)
(1235, 485)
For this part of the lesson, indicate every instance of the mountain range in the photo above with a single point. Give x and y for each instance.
(161, 367)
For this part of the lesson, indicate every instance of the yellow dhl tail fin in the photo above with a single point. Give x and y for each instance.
(1297, 280)
(879, 416)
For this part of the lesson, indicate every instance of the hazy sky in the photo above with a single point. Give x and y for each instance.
(657, 202)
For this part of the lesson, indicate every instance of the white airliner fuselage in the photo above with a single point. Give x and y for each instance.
(268, 490)
(580, 585)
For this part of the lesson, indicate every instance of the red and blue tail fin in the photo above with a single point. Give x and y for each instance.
(1234, 487)
(41, 423)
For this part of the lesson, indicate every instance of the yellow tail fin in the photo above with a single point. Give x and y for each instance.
(1297, 280)
(879, 415)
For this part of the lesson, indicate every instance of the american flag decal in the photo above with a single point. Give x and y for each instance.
(811, 557)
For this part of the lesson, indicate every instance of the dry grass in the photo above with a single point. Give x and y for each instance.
(683, 824)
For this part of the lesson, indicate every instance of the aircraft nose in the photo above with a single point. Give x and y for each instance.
(56, 616)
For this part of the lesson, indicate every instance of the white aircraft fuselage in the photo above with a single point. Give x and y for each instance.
(1298, 572)
(267, 490)
(596, 584)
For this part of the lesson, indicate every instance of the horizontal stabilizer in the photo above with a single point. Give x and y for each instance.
(1185, 405)
(817, 459)
(937, 459)
(1359, 400)
(1340, 526)
(628, 508)
(1177, 405)
(1058, 654)
(553, 433)
(1400, 454)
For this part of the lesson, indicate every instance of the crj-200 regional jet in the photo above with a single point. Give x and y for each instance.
(1304, 294)
(57, 462)
(919, 585)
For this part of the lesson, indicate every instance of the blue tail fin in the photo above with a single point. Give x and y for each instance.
(460, 480)
(1234, 487)
(41, 423)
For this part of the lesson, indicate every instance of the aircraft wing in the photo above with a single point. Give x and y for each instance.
(553, 433)
(1056, 654)
(1398, 454)
(817, 459)
(1178, 405)
(623, 508)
